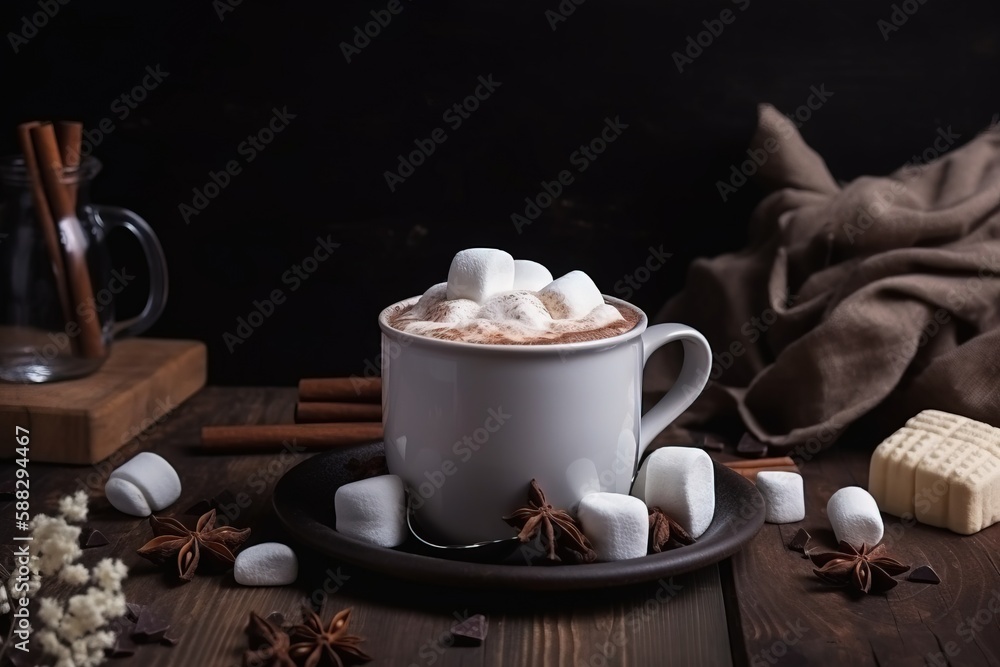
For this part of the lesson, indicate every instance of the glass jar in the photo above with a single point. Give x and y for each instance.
(52, 327)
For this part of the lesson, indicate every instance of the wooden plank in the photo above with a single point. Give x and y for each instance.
(788, 616)
(85, 420)
(673, 623)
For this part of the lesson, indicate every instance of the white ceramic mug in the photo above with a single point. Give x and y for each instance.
(468, 425)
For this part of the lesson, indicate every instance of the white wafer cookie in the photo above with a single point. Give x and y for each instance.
(942, 469)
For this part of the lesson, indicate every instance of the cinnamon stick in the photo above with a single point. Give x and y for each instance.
(43, 216)
(750, 467)
(43, 137)
(325, 413)
(352, 389)
(781, 461)
(273, 437)
(70, 136)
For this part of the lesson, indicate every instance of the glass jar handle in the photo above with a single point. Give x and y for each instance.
(114, 216)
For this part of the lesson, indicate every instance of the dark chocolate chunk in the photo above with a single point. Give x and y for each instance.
(149, 628)
(924, 575)
(711, 443)
(132, 611)
(123, 647)
(169, 640)
(91, 537)
(800, 541)
(751, 448)
(199, 508)
(471, 631)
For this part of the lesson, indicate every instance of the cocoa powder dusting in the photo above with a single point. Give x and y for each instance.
(476, 333)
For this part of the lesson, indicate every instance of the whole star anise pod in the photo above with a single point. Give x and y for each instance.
(558, 530)
(863, 571)
(173, 540)
(665, 533)
(326, 647)
(269, 644)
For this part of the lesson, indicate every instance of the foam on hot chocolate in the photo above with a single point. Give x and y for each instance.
(485, 307)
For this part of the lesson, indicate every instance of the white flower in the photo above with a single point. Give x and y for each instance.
(74, 507)
(89, 651)
(50, 611)
(109, 574)
(74, 634)
(75, 574)
(51, 645)
(56, 543)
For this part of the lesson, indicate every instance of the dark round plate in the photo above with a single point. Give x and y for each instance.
(303, 500)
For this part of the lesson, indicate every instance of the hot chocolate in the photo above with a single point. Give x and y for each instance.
(490, 298)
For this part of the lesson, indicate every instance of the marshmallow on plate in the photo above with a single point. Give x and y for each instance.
(571, 297)
(784, 501)
(373, 510)
(681, 482)
(479, 273)
(855, 517)
(267, 564)
(530, 276)
(143, 485)
(616, 525)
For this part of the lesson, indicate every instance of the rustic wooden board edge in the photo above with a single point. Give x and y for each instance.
(62, 437)
(189, 379)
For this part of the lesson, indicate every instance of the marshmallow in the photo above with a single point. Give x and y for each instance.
(523, 307)
(530, 276)
(479, 273)
(855, 518)
(681, 482)
(616, 525)
(452, 312)
(434, 295)
(784, 500)
(267, 564)
(373, 510)
(572, 296)
(143, 485)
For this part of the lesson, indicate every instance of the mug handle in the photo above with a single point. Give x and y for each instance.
(691, 381)
(113, 217)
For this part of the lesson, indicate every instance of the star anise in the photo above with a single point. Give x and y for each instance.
(173, 540)
(863, 571)
(269, 644)
(560, 533)
(665, 533)
(326, 647)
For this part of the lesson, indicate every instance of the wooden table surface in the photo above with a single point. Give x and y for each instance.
(762, 607)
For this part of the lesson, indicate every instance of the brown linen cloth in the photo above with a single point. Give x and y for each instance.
(878, 298)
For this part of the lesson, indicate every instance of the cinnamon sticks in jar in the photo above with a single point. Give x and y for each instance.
(47, 151)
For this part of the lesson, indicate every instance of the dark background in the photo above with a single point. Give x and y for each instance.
(323, 175)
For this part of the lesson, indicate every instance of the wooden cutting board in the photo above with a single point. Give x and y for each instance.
(86, 420)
